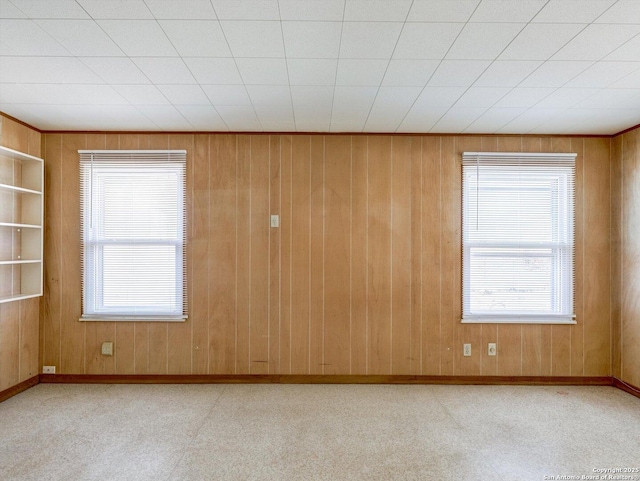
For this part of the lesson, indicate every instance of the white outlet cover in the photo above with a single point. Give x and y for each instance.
(48, 369)
(275, 221)
(107, 348)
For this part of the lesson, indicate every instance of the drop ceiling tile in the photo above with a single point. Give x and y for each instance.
(269, 94)
(270, 126)
(40, 9)
(572, 11)
(622, 99)
(630, 81)
(312, 39)
(184, 94)
(191, 10)
(493, 120)
(214, 70)
(26, 113)
(507, 10)
(142, 94)
(523, 97)
(227, 94)
(432, 97)
(360, 72)
(274, 113)
(139, 38)
(9, 10)
(246, 9)
(369, 39)
(481, 97)
(565, 97)
(382, 127)
(318, 10)
(78, 94)
(166, 117)
(392, 105)
(597, 41)
(598, 121)
(352, 104)
(507, 73)
(165, 70)
(46, 69)
(116, 9)
(81, 37)
(426, 40)
(308, 100)
(419, 119)
(409, 73)
(14, 94)
(263, 71)
(630, 51)
(234, 115)
(305, 71)
(254, 39)
(439, 11)
(312, 124)
(479, 41)
(69, 117)
(196, 38)
(555, 73)
(122, 117)
(458, 73)
(540, 41)
(25, 37)
(347, 127)
(401, 98)
(623, 11)
(457, 120)
(376, 10)
(202, 117)
(603, 74)
(529, 120)
(115, 70)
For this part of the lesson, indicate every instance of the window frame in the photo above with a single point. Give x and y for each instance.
(561, 251)
(93, 240)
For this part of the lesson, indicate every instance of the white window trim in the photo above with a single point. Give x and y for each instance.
(473, 160)
(177, 159)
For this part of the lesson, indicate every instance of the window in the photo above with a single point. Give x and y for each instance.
(133, 235)
(518, 237)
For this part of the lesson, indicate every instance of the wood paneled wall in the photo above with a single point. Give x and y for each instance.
(625, 239)
(19, 319)
(361, 277)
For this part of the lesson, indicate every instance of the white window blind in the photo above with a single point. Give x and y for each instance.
(133, 234)
(518, 237)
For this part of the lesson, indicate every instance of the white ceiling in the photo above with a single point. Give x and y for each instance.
(475, 66)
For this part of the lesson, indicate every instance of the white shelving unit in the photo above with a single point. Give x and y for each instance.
(21, 225)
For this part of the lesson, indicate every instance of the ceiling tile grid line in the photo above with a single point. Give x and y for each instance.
(485, 66)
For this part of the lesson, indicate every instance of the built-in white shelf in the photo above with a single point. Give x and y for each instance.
(21, 220)
(21, 261)
(21, 190)
(20, 226)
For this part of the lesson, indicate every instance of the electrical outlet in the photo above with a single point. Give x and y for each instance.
(467, 350)
(275, 221)
(107, 348)
(492, 349)
(48, 369)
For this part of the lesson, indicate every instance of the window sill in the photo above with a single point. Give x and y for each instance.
(132, 319)
(519, 320)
